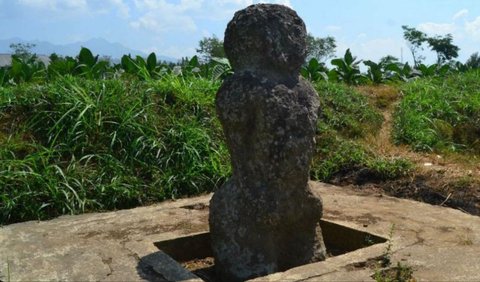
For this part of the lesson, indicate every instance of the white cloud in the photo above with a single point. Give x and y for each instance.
(164, 22)
(163, 15)
(109, 7)
(75, 6)
(469, 30)
(473, 28)
(437, 28)
(377, 48)
(122, 8)
(460, 14)
(181, 6)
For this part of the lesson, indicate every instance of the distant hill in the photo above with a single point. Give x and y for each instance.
(98, 46)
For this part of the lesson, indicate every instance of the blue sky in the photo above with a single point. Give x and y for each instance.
(370, 28)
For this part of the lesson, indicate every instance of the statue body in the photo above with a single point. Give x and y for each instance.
(265, 218)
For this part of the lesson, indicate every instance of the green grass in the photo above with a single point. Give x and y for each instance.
(346, 116)
(75, 145)
(440, 114)
(79, 145)
(346, 111)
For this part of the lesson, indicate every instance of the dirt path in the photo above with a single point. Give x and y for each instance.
(450, 180)
(450, 166)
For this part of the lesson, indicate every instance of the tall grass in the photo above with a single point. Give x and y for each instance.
(440, 114)
(77, 145)
(346, 116)
(346, 111)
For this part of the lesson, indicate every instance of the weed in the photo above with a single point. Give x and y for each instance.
(368, 240)
(346, 111)
(336, 155)
(440, 114)
(386, 273)
(399, 273)
(387, 255)
(75, 145)
(382, 96)
(81, 145)
(345, 116)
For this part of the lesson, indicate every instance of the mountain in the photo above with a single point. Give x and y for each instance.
(98, 46)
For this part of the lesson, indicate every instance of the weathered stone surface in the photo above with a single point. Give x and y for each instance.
(114, 246)
(265, 218)
(440, 244)
(266, 38)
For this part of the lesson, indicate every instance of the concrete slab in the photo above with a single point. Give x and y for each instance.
(438, 243)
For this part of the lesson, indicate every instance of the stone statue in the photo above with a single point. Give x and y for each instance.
(265, 218)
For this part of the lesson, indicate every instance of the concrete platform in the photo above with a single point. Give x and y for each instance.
(438, 243)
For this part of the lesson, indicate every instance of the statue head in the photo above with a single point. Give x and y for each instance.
(266, 38)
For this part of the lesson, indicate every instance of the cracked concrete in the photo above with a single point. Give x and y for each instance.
(102, 246)
(438, 243)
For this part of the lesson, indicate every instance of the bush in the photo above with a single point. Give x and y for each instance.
(346, 115)
(440, 114)
(78, 145)
(338, 156)
(346, 111)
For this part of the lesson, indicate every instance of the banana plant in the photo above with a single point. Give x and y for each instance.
(444, 70)
(314, 70)
(347, 69)
(26, 70)
(460, 67)
(61, 67)
(193, 67)
(128, 65)
(426, 71)
(375, 73)
(89, 66)
(401, 72)
(144, 69)
(221, 68)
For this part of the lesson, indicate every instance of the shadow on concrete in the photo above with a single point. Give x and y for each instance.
(160, 267)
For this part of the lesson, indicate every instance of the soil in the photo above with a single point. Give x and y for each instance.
(203, 268)
(451, 180)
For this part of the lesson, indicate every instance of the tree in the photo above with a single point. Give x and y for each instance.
(23, 51)
(444, 48)
(320, 48)
(474, 61)
(390, 66)
(389, 59)
(54, 57)
(415, 40)
(210, 47)
(442, 45)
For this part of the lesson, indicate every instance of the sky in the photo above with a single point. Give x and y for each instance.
(370, 28)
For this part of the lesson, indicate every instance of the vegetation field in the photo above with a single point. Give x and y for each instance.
(440, 114)
(82, 135)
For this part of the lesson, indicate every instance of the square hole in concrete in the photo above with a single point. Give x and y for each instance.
(194, 252)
